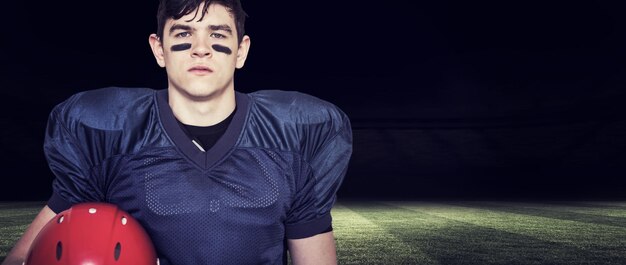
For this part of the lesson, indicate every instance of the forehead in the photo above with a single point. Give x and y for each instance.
(215, 15)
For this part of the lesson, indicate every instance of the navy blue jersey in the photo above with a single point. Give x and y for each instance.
(273, 175)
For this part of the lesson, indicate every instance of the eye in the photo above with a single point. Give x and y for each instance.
(218, 36)
(183, 34)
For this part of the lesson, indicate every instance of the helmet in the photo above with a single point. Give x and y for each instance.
(92, 234)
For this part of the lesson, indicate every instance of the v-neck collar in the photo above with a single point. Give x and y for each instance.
(207, 159)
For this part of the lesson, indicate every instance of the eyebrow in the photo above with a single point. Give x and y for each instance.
(223, 27)
(179, 27)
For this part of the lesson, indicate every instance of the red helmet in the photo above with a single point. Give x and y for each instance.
(92, 234)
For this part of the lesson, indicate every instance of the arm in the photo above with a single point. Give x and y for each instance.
(20, 250)
(315, 250)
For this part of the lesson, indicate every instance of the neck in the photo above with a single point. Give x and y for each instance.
(204, 111)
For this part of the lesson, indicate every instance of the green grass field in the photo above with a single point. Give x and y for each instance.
(455, 232)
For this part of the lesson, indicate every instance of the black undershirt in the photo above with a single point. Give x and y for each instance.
(207, 136)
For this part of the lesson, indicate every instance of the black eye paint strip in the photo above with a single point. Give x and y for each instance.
(220, 48)
(181, 47)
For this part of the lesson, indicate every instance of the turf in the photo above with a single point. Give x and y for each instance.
(14, 219)
(453, 232)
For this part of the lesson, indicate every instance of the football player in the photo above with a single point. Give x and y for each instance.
(214, 176)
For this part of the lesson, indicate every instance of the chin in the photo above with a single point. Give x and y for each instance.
(204, 92)
(199, 89)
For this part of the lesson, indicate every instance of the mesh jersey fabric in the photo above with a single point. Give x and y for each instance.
(273, 175)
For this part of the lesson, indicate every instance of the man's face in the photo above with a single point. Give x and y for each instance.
(200, 56)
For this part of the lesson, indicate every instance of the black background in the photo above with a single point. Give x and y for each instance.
(527, 73)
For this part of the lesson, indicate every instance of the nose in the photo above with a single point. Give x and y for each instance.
(201, 48)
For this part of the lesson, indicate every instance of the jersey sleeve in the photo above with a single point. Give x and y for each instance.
(326, 149)
(71, 158)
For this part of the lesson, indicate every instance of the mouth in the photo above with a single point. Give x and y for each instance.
(200, 70)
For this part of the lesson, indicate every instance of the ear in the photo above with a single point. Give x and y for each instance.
(157, 49)
(242, 52)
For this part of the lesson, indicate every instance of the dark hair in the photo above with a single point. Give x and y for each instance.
(176, 9)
